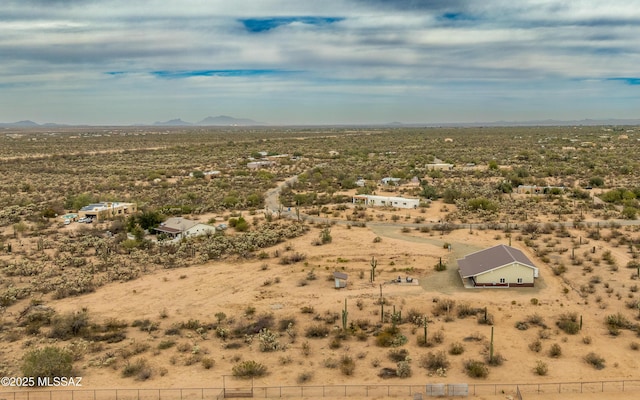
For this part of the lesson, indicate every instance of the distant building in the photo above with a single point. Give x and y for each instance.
(440, 166)
(385, 201)
(260, 164)
(106, 210)
(179, 227)
(534, 189)
(390, 181)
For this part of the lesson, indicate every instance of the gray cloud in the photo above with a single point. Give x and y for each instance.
(372, 48)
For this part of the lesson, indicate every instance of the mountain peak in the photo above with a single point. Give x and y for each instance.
(173, 122)
(227, 120)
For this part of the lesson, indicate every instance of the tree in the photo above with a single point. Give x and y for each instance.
(47, 362)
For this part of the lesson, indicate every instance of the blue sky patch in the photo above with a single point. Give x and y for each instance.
(456, 16)
(257, 25)
(181, 74)
(628, 80)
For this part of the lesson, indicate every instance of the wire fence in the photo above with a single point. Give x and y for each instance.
(331, 391)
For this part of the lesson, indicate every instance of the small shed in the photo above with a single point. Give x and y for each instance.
(340, 279)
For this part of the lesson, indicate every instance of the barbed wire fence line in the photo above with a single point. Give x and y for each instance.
(519, 391)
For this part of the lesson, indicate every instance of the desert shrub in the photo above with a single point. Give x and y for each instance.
(397, 355)
(541, 368)
(390, 337)
(465, 310)
(307, 310)
(249, 369)
(634, 346)
(536, 319)
(476, 369)
(618, 321)
(522, 326)
(165, 344)
(145, 325)
(438, 336)
(496, 360)
(69, 325)
(317, 331)
(595, 360)
(434, 361)
(139, 368)
(264, 321)
(208, 363)
(403, 369)
(284, 323)
(485, 321)
(443, 307)
(535, 346)
(559, 269)
(292, 258)
(568, 322)
(304, 377)
(347, 365)
(47, 362)
(456, 348)
(330, 363)
(555, 351)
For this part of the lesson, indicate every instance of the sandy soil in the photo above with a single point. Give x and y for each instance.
(173, 296)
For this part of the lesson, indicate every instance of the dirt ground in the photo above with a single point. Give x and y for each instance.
(198, 293)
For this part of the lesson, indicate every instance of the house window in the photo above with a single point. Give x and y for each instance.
(519, 280)
(503, 280)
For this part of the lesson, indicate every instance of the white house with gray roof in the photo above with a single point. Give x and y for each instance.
(497, 266)
(178, 227)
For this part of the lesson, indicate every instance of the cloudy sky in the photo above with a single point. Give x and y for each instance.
(318, 61)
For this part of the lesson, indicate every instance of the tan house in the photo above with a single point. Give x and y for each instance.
(497, 266)
(106, 210)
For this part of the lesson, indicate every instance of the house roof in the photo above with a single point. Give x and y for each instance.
(340, 275)
(489, 259)
(176, 225)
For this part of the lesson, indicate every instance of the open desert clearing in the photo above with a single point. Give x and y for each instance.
(172, 297)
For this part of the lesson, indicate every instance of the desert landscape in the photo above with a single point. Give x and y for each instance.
(255, 303)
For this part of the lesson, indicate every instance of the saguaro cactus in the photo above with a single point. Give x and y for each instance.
(345, 313)
(374, 264)
(491, 347)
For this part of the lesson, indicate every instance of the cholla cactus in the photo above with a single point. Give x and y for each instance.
(268, 340)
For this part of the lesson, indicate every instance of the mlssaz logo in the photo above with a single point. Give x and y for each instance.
(62, 381)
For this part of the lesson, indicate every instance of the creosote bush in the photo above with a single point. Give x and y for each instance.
(568, 322)
(47, 362)
(595, 360)
(434, 361)
(347, 365)
(249, 369)
(476, 369)
(541, 368)
(456, 348)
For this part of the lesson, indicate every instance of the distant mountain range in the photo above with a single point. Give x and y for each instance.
(221, 120)
(224, 120)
